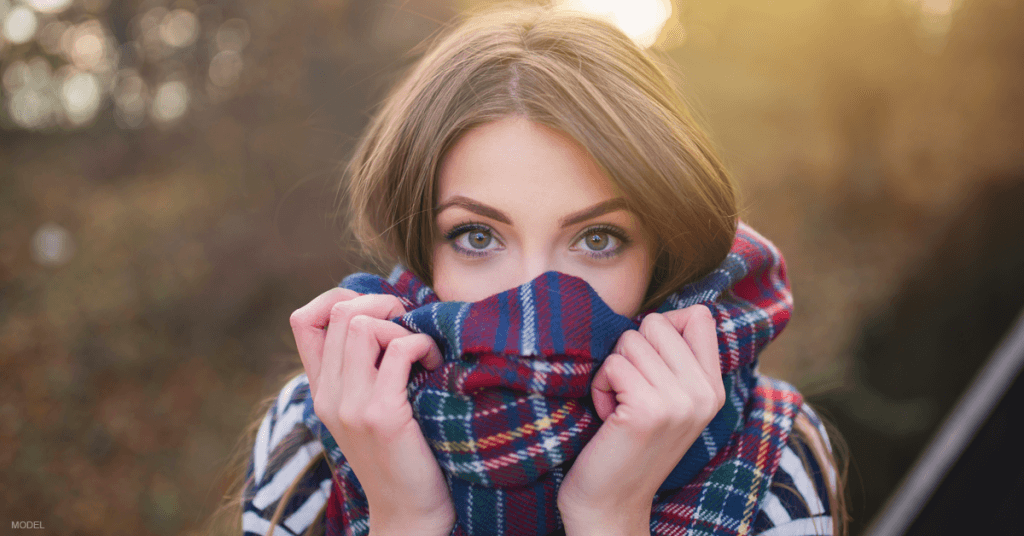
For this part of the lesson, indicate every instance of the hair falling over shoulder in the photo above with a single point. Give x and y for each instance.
(227, 519)
(572, 73)
(832, 456)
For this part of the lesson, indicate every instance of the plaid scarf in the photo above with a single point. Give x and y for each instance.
(509, 410)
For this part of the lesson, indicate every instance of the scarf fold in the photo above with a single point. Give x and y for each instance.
(509, 410)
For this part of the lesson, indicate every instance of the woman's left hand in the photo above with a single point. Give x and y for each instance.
(656, 393)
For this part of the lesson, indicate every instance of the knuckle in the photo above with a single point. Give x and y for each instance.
(381, 422)
(298, 318)
(421, 340)
(703, 312)
(719, 396)
(339, 312)
(683, 411)
(629, 338)
(704, 403)
(393, 301)
(360, 324)
(677, 418)
(321, 409)
(645, 326)
(615, 363)
(403, 345)
(351, 417)
(376, 419)
(650, 321)
(345, 294)
(710, 401)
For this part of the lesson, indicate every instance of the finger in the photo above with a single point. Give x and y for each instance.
(616, 382)
(698, 328)
(670, 345)
(309, 324)
(401, 353)
(635, 347)
(373, 305)
(367, 338)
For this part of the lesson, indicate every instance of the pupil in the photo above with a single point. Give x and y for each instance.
(597, 241)
(479, 239)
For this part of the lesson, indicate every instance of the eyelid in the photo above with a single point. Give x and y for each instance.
(606, 228)
(467, 226)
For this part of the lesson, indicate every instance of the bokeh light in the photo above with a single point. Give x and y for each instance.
(94, 6)
(936, 16)
(170, 101)
(51, 36)
(233, 35)
(31, 108)
(87, 47)
(130, 99)
(225, 68)
(32, 102)
(80, 94)
(52, 245)
(937, 7)
(642, 20)
(147, 64)
(20, 25)
(153, 46)
(49, 6)
(179, 28)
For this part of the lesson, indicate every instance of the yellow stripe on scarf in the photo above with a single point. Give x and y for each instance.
(496, 440)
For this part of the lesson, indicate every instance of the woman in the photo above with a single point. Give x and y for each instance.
(531, 162)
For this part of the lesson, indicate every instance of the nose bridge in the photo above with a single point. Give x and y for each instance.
(537, 259)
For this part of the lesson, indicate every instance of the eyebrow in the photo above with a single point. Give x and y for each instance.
(603, 207)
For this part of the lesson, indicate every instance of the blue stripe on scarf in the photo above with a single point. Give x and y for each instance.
(716, 485)
(555, 305)
(501, 333)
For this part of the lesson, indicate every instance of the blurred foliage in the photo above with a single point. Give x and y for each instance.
(162, 211)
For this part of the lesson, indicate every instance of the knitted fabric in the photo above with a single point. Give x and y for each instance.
(509, 410)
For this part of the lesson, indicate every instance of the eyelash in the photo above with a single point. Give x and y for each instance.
(466, 227)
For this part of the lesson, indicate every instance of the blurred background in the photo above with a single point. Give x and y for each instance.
(167, 198)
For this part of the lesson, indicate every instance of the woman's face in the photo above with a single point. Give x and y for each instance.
(517, 199)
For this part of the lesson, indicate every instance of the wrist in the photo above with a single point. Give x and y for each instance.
(406, 526)
(621, 520)
(407, 530)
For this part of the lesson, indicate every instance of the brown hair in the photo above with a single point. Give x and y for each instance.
(833, 460)
(575, 74)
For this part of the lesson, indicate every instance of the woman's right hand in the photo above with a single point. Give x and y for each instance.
(340, 335)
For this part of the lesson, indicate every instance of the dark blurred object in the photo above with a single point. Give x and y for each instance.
(916, 356)
(970, 478)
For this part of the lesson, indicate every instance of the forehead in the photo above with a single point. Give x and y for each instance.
(514, 159)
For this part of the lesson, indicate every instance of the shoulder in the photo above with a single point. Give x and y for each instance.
(285, 456)
(797, 502)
